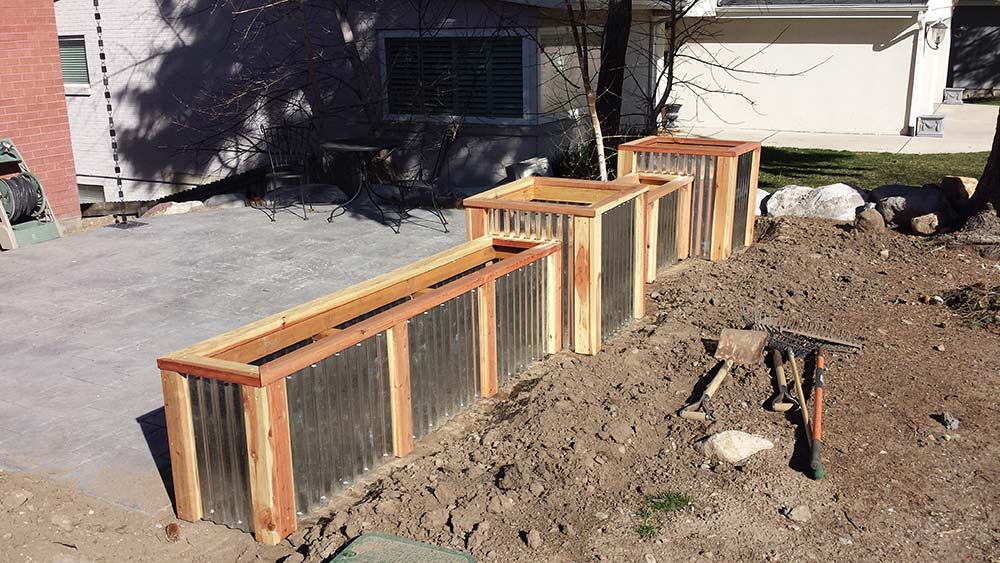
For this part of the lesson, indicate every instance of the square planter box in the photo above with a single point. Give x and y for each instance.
(668, 218)
(270, 421)
(724, 189)
(601, 227)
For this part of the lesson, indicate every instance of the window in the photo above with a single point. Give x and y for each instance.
(462, 76)
(73, 56)
(91, 193)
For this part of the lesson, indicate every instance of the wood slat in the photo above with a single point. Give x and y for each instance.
(400, 401)
(684, 204)
(722, 214)
(224, 370)
(638, 260)
(752, 207)
(487, 306)
(651, 238)
(475, 223)
(586, 286)
(269, 456)
(183, 452)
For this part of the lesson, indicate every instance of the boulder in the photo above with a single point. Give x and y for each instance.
(900, 204)
(925, 225)
(869, 221)
(538, 166)
(173, 208)
(837, 202)
(733, 446)
(762, 198)
(958, 190)
(226, 201)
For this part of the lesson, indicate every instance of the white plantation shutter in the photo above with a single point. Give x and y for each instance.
(73, 56)
(466, 76)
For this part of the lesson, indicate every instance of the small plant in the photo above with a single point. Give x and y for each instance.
(654, 507)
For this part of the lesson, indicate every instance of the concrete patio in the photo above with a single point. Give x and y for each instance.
(85, 318)
(967, 128)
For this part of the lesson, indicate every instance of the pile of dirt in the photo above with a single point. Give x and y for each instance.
(561, 466)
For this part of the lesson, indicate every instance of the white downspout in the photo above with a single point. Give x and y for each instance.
(917, 78)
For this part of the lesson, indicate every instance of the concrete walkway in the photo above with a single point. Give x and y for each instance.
(86, 316)
(967, 128)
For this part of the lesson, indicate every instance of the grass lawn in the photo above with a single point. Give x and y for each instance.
(815, 167)
(984, 101)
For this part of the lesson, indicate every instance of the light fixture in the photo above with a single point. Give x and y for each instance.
(935, 33)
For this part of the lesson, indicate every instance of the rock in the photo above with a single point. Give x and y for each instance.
(226, 201)
(869, 221)
(619, 431)
(477, 537)
(949, 421)
(838, 202)
(939, 347)
(734, 447)
(899, 204)
(884, 253)
(937, 300)
(762, 198)
(958, 190)
(465, 519)
(534, 539)
(434, 520)
(173, 532)
(536, 488)
(649, 558)
(925, 225)
(799, 514)
(509, 478)
(173, 208)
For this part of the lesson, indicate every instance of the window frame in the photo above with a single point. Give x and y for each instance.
(86, 60)
(529, 77)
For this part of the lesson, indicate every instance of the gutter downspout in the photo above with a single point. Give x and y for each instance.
(917, 77)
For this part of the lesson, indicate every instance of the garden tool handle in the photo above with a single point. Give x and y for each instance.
(779, 369)
(817, 422)
(713, 386)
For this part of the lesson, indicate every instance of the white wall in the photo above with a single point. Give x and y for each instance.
(861, 83)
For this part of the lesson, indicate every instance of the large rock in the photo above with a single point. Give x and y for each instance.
(838, 202)
(958, 190)
(900, 204)
(869, 221)
(734, 447)
(226, 201)
(925, 225)
(173, 208)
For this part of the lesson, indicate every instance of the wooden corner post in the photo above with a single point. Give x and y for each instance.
(639, 259)
(553, 303)
(684, 222)
(475, 223)
(183, 452)
(269, 451)
(400, 401)
(626, 162)
(488, 338)
(724, 209)
(587, 285)
(651, 235)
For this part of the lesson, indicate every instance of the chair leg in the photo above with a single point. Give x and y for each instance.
(438, 212)
(302, 199)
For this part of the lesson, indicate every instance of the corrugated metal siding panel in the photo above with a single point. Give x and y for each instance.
(444, 362)
(520, 301)
(220, 439)
(617, 267)
(543, 227)
(744, 169)
(666, 230)
(339, 420)
(703, 169)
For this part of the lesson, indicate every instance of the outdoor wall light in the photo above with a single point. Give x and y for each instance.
(935, 32)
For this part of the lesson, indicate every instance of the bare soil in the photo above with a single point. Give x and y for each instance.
(568, 454)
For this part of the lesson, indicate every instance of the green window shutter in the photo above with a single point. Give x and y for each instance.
(463, 76)
(73, 56)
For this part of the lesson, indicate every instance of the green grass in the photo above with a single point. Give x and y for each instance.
(995, 101)
(654, 507)
(816, 167)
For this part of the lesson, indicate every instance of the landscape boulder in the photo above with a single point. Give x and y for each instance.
(226, 201)
(837, 202)
(733, 446)
(173, 208)
(925, 225)
(869, 221)
(899, 204)
(958, 190)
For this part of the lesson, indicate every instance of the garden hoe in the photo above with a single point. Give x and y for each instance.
(782, 402)
(736, 347)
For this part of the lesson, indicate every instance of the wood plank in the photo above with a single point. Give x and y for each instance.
(475, 223)
(651, 236)
(596, 283)
(224, 370)
(639, 260)
(487, 305)
(325, 333)
(284, 475)
(266, 470)
(553, 303)
(722, 214)
(752, 207)
(180, 439)
(586, 286)
(541, 207)
(684, 203)
(400, 401)
(627, 160)
(312, 353)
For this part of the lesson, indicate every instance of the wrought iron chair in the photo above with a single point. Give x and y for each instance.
(289, 153)
(423, 182)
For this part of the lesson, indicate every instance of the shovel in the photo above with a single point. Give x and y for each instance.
(736, 347)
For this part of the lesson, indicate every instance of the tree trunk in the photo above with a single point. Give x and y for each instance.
(988, 190)
(611, 75)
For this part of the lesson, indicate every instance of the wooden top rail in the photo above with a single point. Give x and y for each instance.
(689, 145)
(226, 357)
(659, 184)
(581, 198)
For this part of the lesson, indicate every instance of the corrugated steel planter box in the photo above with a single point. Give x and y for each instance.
(267, 422)
(601, 227)
(668, 218)
(724, 193)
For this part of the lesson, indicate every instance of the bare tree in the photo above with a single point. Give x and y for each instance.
(988, 191)
(580, 33)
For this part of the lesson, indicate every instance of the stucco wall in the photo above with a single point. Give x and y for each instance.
(860, 83)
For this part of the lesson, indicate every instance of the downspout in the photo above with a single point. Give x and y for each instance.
(917, 78)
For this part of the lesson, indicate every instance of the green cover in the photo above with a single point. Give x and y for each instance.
(383, 548)
(34, 232)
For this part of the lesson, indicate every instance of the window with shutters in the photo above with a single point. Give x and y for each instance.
(461, 76)
(73, 56)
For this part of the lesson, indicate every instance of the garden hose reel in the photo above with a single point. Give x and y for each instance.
(26, 217)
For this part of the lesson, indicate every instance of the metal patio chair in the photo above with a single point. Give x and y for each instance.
(289, 153)
(422, 183)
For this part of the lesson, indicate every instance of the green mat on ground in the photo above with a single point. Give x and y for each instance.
(383, 548)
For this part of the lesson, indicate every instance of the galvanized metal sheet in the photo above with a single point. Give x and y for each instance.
(666, 230)
(744, 169)
(444, 362)
(221, 444)
(520, 302)
(339, 417)
(703, 169)
(617, 267)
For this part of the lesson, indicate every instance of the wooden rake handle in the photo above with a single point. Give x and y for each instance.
(816, 463)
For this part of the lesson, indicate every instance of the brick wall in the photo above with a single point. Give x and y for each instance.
(33, 112)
